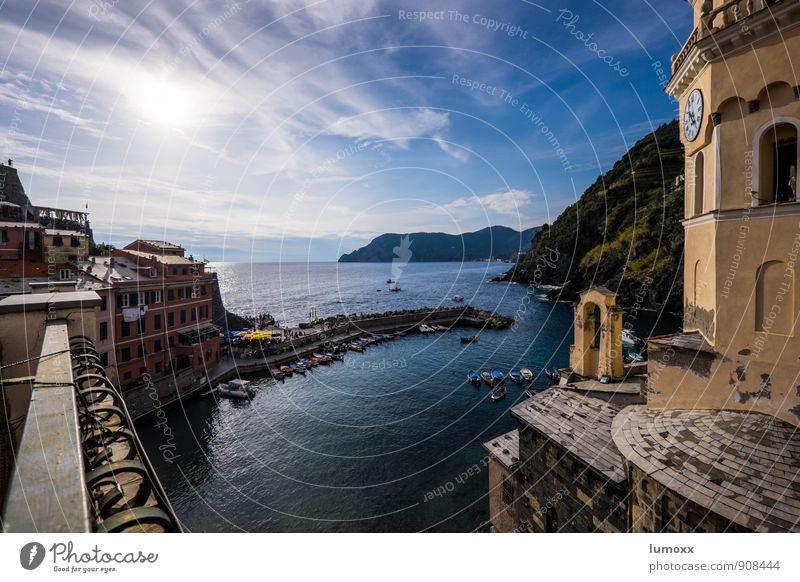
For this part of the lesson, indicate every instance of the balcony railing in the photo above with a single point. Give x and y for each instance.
(78, 465)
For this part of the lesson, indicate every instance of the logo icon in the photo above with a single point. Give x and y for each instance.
(31, 555)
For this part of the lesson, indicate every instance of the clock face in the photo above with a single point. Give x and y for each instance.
(693, 115)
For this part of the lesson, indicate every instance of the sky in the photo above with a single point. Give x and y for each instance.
(294, 130)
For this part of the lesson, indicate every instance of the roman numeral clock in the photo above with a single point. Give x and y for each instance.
(693, 115)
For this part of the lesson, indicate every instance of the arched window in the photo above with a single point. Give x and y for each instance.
(699, 183)
(775, 298)
(778, 164)
(597, 325)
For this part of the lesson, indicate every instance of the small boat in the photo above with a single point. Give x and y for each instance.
(276, 373)
(474, 378)
(299, 367)
(356, 347)
(426, 329)
(487, 377)
(232, 391)
(515, 375)
(390, 281)
(440, 328)
(530, 391)
(468, 339)
(635, 357)
(323, 359)
(287, 370)
(458, 298)
(499, 391)
(395, 289)
(498, 374)
(334, 356)
(243, 385)
(552, 374)
(527, 375)
(629, 339)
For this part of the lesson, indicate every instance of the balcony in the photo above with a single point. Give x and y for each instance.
(70, 460)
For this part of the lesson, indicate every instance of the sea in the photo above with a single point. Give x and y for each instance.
(386, 441)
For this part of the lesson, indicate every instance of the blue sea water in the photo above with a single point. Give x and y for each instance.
(361, 445)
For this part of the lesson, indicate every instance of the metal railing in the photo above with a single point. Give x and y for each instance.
(124, 491)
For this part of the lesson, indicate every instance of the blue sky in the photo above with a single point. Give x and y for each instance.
(299, 129)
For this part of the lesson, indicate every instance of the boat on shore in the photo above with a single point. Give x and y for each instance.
(527, 375)
(515, 375)
(499, 391)
(474, 378)
(487, 377)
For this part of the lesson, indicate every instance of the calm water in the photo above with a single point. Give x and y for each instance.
(360, 445)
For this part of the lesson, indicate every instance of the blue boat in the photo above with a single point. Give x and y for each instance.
(553, 375)
(515, 375)
(474, 378)
(497, 374)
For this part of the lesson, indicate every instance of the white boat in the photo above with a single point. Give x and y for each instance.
(458, 298)
(426, 329)
(236, 389)
(628, 339)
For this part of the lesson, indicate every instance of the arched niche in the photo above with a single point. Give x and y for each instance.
(776, 159)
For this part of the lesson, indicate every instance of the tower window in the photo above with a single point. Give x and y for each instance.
(778, 165)
(699, 183)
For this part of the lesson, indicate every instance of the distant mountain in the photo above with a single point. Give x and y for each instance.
(498, 242)
(624, 232)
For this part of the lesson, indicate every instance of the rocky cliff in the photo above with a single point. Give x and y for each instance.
(624, 232)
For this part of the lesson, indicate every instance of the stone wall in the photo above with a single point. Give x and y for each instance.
(560, 492)
(503, 489)
(657, 509)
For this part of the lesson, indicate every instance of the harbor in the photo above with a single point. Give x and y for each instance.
(273, 350)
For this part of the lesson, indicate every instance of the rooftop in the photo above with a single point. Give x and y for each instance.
(161, 244)
(687, 341)
(505, 449)
(101, 273)
(581, 423)
(743, 466)
(166, 259)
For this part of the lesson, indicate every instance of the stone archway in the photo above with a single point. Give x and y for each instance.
(593, 354)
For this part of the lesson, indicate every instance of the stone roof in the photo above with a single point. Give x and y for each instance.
(743, 466)
(166, 259)
(580, 422)
(505, 449)
(161, 244)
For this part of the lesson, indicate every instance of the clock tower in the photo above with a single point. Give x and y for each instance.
(738, 90)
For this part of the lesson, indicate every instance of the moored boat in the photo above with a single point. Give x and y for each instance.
(474, 378)
(287, 370)
(487, 377)
(498, 374)
(232, 391)
(323, 359)
(515, 375)
(499, 391)
(552, 374)
(468, 339)
(276, 373)
(458, 298)
(425, 329)
(527, 375)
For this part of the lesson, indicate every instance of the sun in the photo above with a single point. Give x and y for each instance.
(165, 103)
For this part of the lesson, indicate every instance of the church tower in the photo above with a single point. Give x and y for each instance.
(738, 90)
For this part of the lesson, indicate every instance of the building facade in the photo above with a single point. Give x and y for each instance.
(704, 439)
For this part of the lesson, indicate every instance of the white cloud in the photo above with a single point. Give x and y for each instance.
(509, 202)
